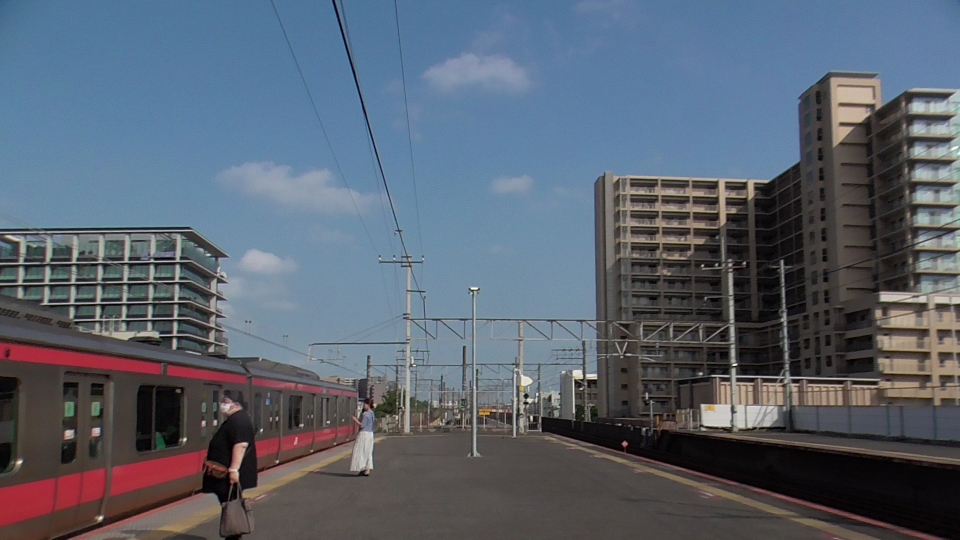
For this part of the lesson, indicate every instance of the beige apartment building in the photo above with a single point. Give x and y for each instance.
(867, 223)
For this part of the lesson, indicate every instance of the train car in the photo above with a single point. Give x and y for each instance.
(93, 428)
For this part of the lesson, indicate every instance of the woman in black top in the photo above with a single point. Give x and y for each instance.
(233, 446)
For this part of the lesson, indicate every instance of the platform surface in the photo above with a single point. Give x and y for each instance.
(878, 447)
(537, 486)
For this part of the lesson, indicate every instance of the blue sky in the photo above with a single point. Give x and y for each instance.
(186, 113)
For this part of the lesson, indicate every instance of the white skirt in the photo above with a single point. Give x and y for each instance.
(362, 459)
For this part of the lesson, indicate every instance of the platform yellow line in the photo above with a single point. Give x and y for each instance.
(202, 516)
(763, 507)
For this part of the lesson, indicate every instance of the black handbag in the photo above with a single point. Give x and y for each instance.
(235, 515)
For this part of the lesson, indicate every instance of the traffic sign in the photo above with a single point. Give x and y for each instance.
(484, 412)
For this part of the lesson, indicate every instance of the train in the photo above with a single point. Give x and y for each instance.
(93, 429)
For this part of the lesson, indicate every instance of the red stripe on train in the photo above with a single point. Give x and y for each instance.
(27, 501)
(202, 374)
(38, 355)
(127, 478)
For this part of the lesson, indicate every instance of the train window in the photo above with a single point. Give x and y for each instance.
(258, 413)
(215, 404)
(295, 413)
(68, 443)
(9, 394)
(159, 417)
(96, 420)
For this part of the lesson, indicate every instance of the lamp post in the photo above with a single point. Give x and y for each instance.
(474, 291)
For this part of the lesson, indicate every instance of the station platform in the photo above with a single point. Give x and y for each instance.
(537, 486)
(887, 449)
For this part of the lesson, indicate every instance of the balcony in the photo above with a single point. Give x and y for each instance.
(736, 193)
(643, 206)
(901, 344)
(673, 190)
(676, 238)
(645, 254)
(949, 178)
(706, 223)
(674, 207)
(675, 223)
(904, 366)
(643, 221)
(704, 192)
(676, 254)
(705, 208)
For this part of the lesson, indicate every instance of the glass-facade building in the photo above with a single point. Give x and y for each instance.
(160, 280)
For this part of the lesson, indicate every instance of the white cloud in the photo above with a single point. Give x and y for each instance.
(494, 73)
(246, 295)
(312, 190)
(255, 261)
(517, 185)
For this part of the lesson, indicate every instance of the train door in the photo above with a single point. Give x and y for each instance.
(309, 419)
(274, 405)
(85, 440)
(341, 411)
(210, 412)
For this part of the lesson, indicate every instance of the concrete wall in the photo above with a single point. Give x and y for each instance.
(929, 423)
(748, 416)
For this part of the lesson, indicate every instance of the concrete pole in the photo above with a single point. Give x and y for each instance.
(473, 338)
(732, 321)
(586, 407)
(956, 379)
(514, 396)
(369, 376)
(785, 344)
(406, 351)
(540, 396)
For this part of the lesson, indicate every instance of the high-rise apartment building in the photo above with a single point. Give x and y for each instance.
(868, 224)
(162, 280)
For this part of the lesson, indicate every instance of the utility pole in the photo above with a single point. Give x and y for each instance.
(540, 397)
(727, 268)
(732, 333)
(463, 391)
(407, 262)
(369, 376)
(519, 383)
(785, 344)
(474, 291)
(514, 400)
(586, 407)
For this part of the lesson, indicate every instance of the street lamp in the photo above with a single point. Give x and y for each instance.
(474, 291)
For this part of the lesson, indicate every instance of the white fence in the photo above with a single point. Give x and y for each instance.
(748, 416)
(929, 423)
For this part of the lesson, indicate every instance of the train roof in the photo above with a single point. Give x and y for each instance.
(275, 370)
(34, 333)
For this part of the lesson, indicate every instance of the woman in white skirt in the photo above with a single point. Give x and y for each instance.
(362, 461)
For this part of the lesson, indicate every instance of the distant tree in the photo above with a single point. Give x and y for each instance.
(392, 404)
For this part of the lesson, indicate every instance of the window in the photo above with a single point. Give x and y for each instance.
(60, 273)
(34, 273)
(823, 214)
(816, 297)
(137, 312)
(813, 237)
(33, 293)
(114, 249)
(87, 273)
(9, 420)
(819, 154)
(826, 296)
(139, 250)
(68, 443)
(811, 219)
(140, 272)
(813, 278)
(112, 273)
(162, 292)
(819, 134)
(8, 274)
(295, 413)
(826, 276)
(809, 158)
(111, 292)
(60, 294)
(821, 174)
(819, 97)
(164, 271)
(85, 312)
(813, 257)
(829, 361)
(827, 339)
(819, 114)
(808, 139)
(159, 417)
(823, 194)
(308, 415)
(806, 363)
(823, 234)
(89, 248)
(137, 292)
(163, 327)
(807, 119)
(258, 413)
(806, 343)
(95, 446)
(823, 255)
(86, 293)
(624, 386)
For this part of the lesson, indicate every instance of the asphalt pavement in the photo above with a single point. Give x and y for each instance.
(538, 486)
